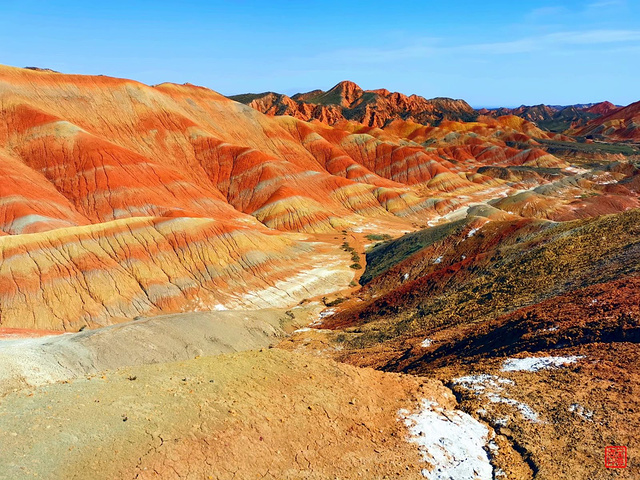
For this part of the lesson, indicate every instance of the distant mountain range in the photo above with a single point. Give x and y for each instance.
(620, 124)
(556, 118)
(377, 108)
(347, 101)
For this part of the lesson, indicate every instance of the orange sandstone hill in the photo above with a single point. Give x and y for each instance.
(138, 200)
(97, 149)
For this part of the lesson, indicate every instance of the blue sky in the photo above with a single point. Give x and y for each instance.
(491, 53)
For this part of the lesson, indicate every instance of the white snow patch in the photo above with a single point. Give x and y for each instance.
(367, 227)
(426, 343)
(573, 169)
(472, 232)
(533, 364)
(500, 473)
(493, 446)
(581, 411)
(502, 422)
(451, 441)
(300, 330)
(526, 411)
(405, 277)
(438, 260)
(327, 312)
(488, 385)
(479, 383)
(219, 307)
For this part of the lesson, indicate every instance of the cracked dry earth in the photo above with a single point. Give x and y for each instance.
(256, 414)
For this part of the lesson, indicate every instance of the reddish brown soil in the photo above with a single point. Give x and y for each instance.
(581, 407)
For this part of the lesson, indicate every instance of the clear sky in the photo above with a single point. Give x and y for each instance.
(491, 53)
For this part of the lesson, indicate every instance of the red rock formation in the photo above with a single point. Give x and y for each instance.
(344, 94)
(602, 108)
(275, 104)
(347, 101)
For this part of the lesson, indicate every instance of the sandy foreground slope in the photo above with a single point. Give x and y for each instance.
(105, 404)
(257, 414)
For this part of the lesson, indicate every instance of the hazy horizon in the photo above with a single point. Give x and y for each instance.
(502, 54)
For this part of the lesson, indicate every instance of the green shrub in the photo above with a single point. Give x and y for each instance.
(335, 302)
(376, 236)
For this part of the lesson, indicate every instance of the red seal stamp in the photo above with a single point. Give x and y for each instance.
(615, 457)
